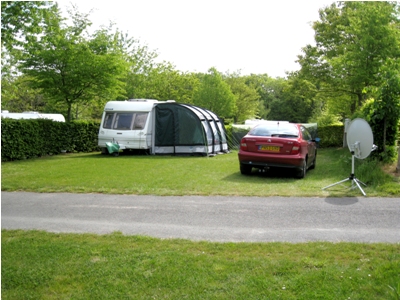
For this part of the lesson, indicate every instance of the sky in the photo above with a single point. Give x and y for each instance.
(250, 37)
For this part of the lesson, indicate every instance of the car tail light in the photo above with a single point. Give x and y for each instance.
(243, 144)
(295, 148)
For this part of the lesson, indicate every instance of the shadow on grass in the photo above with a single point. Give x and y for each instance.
(272, 173)
(125, 154)
(99, 155)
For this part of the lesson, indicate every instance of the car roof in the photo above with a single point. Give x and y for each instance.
(271, 124)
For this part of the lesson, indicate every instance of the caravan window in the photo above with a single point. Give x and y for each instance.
(140, 120)
(108, 120)
(125, 121)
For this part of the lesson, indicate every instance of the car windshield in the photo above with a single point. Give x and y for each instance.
(275, 130)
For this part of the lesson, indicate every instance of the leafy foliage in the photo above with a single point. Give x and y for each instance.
(215, 94)
(384, 116)
(18, 96)
(72, 69)
(22, 20)
(21, 23)
(246, 98)
(269, 90)
(160, 81)
(296, 101)
(353, 41)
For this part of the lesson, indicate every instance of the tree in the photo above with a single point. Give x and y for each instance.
(291, 99)
(21, 21)
(73, 67)
(269, 90)
(386, 114)
(246, 98)
(353, 40)
(215, 94)
(160, 81)
(296, 101)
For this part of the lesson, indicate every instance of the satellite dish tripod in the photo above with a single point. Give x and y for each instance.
(354, 181)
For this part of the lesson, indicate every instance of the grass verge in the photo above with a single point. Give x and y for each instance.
(173, 175)
(40, 265)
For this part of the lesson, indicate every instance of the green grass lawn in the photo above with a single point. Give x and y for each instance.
(41, 265)
(174, 175)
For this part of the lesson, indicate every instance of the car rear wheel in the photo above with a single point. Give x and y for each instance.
(301, 173)
(314, 162)
(245, 169)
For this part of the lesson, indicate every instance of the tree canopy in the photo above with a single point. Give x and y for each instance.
(70, 66)
(214, 94)
(247, 99)
(353, 41)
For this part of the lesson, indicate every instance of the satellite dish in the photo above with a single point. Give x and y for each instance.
(360, 139)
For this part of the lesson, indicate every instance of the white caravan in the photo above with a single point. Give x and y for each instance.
(128, 123)
(161, 127)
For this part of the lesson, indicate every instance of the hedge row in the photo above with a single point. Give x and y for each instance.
(23, 139)
(331, 136)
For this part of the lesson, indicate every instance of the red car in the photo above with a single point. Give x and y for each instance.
(278, 144)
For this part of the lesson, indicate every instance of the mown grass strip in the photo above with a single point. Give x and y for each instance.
(40, 265)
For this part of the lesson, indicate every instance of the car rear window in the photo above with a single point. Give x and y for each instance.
(275, 130)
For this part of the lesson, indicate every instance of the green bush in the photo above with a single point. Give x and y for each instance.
(23, 139)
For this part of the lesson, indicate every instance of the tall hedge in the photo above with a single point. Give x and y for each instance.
(331, 136)
(23, 139)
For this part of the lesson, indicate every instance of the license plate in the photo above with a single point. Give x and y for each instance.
(269, 148)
